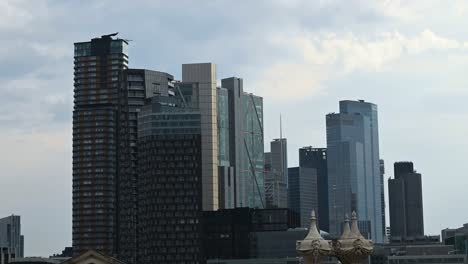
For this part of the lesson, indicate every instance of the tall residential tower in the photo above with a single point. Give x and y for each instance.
(99, 65)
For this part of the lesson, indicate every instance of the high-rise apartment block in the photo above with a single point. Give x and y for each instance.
(405, 202)
(302, 192)
(11, 240)
(353, 167)
(316, 158)
(97, 183)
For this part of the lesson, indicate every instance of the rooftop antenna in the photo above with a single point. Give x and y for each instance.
(281, 129)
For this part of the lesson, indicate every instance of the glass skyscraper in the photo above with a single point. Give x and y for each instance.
(353, 167)
(10, 235)
(253, 153)
(316, 158)
(245, 144)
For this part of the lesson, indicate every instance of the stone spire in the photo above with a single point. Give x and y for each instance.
(346, 230)
(313, 248)
(352, 247)
(355, 233)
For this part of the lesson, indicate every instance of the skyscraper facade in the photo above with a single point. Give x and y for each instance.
(279, 157)
(245, 115)
(135, 87)
(405, 202)
(226, 175)
(203, 76)
(382, 196)
(99, 65)
(253, 154)
(275, 187)
(10, 235)
(276, 175)
(170, 185)
(302, 192)
(316, 158)
(353, 166)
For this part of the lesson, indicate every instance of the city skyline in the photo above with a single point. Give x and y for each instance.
(37, 92)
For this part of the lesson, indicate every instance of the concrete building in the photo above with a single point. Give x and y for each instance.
(11, 240)
(302, 192)
(406, 204)
(316, 158)
(354, 179)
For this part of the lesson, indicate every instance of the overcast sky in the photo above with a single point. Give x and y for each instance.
(408, 57)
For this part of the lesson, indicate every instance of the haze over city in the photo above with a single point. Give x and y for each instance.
(303, 57)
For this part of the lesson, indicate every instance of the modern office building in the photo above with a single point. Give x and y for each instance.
(136, 86)
(276, 174)
(302, 192)
(253, 154)
(245, 137)
(382, 196)
(6, 255)
(354, 180)
(406, 204)
(458, 237)
(178, 174)
(237, 233)
(170, 181)
(99, 65)
(202, 77)
(275, 188)
(11, 240)
(226, 170)
(279, 157)
(316, 158)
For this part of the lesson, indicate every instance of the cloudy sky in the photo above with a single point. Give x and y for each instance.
(408, 57)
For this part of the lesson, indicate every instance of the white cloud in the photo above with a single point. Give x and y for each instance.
(318, 57)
